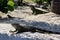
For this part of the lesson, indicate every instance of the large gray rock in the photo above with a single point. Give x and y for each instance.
(53, 27)
(6, 35)
(48, 21)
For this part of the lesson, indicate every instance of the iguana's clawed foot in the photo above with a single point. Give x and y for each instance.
(13, 32)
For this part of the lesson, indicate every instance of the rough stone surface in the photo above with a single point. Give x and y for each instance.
(48, 21)
(6, 35)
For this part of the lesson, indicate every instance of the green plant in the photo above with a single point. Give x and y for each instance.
(48, 1)
(45, 3)
(6, 5)
(36, 0)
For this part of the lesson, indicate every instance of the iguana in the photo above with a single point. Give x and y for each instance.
(19, 29)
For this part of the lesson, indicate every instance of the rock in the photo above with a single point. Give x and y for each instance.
(3, 15)
(49, 21)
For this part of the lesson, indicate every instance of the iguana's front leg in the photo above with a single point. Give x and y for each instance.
(15, 31)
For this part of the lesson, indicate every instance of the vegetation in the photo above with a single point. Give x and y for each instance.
(6, 5)
(45, 3)
(20, 2)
